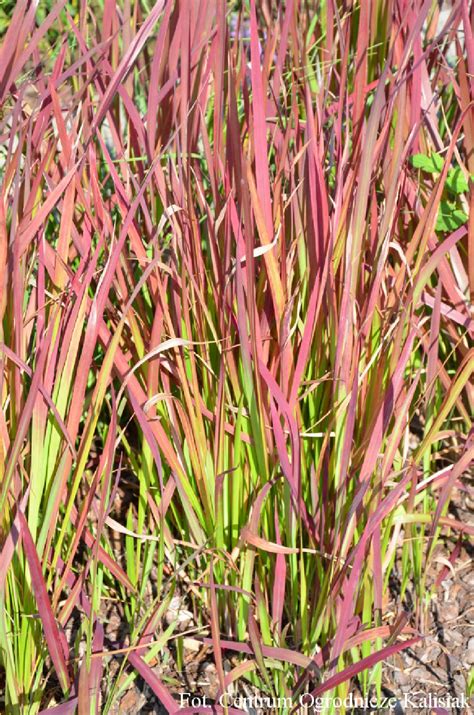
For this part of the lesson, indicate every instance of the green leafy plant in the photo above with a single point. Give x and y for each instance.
(450, 216)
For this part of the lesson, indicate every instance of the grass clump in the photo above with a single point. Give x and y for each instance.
(235, 339)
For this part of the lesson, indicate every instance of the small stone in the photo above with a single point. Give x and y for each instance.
(450, 662)
(469, 657)
(177, 612)
(401, 678)
(132, 702)
(432, 654)
(468, 614)
(453, 636)
(468, 579)
(450, 611)
(212, 679)
(460, 683)
(192, 644)
(440, 673)
(418, 674)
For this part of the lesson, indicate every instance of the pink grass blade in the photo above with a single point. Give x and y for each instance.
(54, 638)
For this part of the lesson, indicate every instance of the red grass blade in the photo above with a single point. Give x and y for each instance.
(55, 640)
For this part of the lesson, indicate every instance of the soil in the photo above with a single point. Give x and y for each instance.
(441, 664)
(437, 668)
